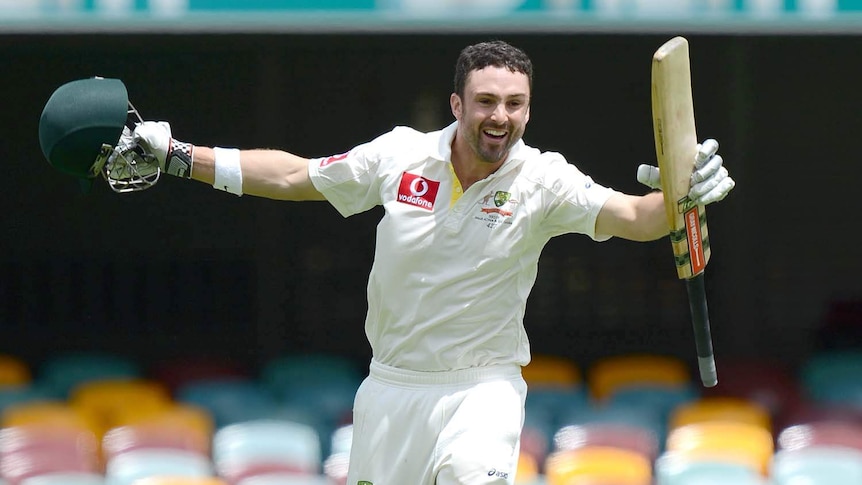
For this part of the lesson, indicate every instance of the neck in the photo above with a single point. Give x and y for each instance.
(469, 168)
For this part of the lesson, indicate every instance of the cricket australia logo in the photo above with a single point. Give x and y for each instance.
(497, 208)
(418, 191)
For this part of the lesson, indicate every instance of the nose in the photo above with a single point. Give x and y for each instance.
(499, 113)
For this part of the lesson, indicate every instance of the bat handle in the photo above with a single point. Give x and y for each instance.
(702, 335)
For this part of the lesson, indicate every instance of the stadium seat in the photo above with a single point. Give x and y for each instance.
(817, 465)
(229, 400)
(105, 399)
(322, 387)
(845, 434)
(833, 377)
(160, 435)
(770, 384)
(78, 444)
(336, 462)
(723, 441)
(551, 371)
(10, 395)
(66, 478)
(126, 468)
(674, 469)
(14, 371)
(175, 480)
(607, 375)
(285, 479)
(609, 434)
(598, 465)
(18, 467)
(283, 374)
(178, 371)
(662, 399)
(649, 421)
(250, 448)
(720, 409)
(63, 372)
(47, 413)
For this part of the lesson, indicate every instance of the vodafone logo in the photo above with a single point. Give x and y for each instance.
(417, 191)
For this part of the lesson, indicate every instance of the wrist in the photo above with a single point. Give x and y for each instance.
(179, 159)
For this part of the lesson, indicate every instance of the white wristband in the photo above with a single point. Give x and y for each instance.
(228, 173)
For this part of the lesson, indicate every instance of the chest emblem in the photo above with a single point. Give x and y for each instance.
(418, 191)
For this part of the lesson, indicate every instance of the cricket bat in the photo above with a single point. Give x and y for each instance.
(676, 147)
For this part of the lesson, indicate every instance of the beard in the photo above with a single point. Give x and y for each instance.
(492, 151)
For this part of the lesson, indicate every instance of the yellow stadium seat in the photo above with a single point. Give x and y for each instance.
(598, 465)
(46, 413)
(611, 373)
(13, 371)
(733, 409)
(728, 441)
(177, 427)
(549, 370)
(105, 399)
(528, 469)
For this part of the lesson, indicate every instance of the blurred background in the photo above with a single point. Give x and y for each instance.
(194, 280)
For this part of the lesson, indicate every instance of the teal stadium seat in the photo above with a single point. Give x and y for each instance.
(229, 400)
(63, 372)
(833, 377)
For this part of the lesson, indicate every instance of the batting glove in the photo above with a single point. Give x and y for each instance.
(709, 182)
(175, 157)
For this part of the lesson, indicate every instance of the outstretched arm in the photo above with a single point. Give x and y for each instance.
(273, 174)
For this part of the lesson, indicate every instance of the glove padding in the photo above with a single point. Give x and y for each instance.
(709, 182)
(175, 157)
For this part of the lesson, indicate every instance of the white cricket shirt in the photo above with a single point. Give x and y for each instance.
(452, 272)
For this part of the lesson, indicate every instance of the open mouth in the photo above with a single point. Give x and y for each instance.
(495, 134)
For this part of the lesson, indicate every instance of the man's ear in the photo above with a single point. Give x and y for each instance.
(456, 105)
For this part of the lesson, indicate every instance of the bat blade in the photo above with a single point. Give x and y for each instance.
(676, 146)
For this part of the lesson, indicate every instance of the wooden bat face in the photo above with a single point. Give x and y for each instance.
(676, 146)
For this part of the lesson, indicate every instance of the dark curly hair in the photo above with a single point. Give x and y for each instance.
(493, 53)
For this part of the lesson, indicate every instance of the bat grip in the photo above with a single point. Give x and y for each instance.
(702, 335)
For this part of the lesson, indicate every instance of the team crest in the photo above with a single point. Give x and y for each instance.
(501, 198)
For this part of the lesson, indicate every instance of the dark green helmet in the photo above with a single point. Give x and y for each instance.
(80, 134)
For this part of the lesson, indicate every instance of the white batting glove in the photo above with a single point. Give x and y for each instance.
(175, 157)
(709, 182)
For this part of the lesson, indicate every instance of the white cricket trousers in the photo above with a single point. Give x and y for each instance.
(437, 428)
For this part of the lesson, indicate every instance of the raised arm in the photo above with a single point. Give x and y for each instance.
(274, 174)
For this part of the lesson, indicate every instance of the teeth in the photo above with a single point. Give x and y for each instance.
(495, 132)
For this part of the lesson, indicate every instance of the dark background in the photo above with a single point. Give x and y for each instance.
(184, 269)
